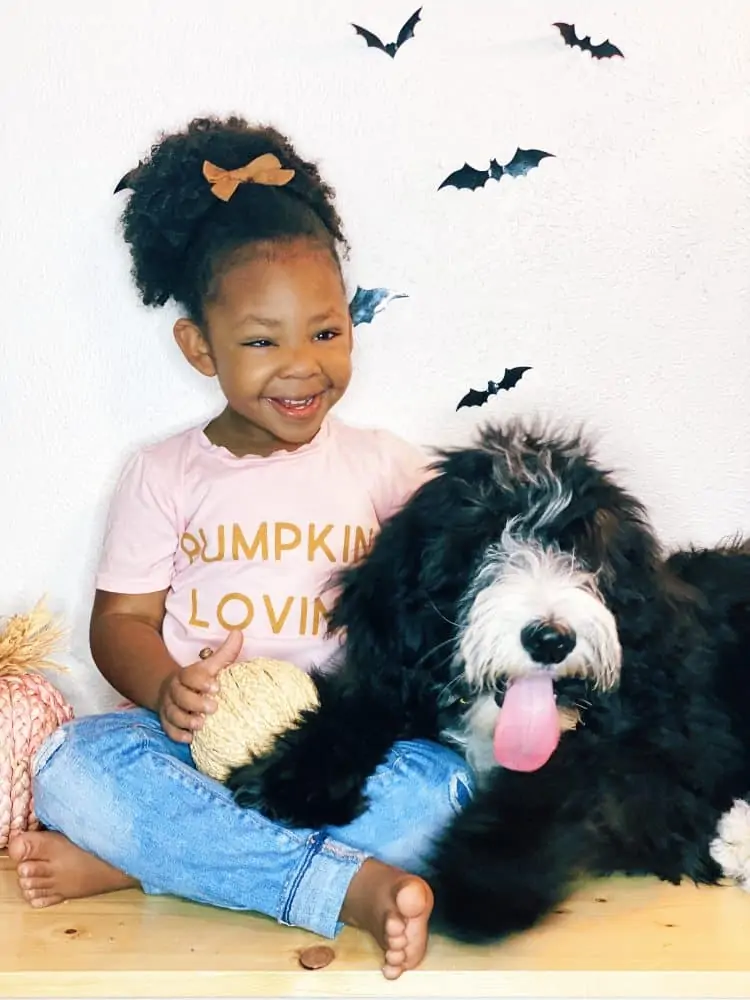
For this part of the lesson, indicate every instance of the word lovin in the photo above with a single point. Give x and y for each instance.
(302, 615)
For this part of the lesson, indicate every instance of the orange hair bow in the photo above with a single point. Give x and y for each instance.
(265, 169)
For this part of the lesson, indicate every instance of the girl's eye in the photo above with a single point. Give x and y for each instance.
(327, 335)
(257, 343)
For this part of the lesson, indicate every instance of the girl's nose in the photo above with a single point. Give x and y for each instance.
(300, 362)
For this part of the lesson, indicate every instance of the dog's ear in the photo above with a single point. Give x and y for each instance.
(626, 551)
(399, 603)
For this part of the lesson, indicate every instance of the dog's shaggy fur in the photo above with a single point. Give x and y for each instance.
(521, 530)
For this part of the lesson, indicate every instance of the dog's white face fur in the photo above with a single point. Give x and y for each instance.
(523, 583)
(519, 584)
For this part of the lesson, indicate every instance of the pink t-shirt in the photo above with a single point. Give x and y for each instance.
(253, 543)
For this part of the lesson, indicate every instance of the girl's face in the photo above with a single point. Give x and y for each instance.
(280, 342)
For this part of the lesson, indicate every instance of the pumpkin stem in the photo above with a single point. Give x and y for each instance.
(27, 642)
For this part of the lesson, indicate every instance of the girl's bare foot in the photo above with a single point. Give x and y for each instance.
(395, 908)
(51, 869)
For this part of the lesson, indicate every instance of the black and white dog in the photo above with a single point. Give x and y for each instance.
(519, 584)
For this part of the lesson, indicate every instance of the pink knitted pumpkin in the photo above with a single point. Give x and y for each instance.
(30, 709)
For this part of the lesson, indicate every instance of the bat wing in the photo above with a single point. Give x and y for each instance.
(407, 31)
(466, 177)
(373, 42)
(525, 160)
(474, 397)
(605, 51)
(512, 377)
(568, 32)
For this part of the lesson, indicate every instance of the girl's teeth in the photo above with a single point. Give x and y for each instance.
(298, 403)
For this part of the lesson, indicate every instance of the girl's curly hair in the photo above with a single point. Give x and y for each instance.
(182, 237)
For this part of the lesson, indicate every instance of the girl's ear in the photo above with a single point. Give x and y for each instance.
(195, 346)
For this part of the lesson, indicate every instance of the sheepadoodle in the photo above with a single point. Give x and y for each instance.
(521, 609)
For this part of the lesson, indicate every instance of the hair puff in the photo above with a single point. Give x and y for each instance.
(180, 234)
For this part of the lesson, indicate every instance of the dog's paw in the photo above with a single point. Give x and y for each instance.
(297, 794)
(248, 787)
(480, 915)
(337, 805)
(730, 849)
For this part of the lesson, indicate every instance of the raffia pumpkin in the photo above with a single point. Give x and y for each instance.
(30, 709)
(258, 699)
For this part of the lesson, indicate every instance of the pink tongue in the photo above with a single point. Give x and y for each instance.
(528, 728)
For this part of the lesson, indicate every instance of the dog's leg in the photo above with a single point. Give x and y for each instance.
(671, 843)
(315, 774)
(504, 863)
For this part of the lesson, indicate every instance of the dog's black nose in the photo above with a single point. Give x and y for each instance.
(547, 643)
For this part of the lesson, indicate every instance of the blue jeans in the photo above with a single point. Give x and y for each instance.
(118, 787)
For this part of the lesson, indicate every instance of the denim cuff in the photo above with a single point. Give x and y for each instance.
(316, 890)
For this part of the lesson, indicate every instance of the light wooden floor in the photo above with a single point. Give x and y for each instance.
(617, 938)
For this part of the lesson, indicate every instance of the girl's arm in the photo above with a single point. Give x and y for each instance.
(127, 646)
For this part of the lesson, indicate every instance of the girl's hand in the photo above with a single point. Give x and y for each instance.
(188, 695)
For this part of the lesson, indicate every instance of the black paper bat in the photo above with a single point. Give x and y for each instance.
(604, 51)
(478, 397)
(407, 32)
(523, 161)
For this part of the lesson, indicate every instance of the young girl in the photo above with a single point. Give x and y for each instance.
(228, 537)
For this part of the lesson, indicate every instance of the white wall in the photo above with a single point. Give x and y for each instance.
(620, 269)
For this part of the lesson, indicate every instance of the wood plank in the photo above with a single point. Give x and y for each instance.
(615, 938)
